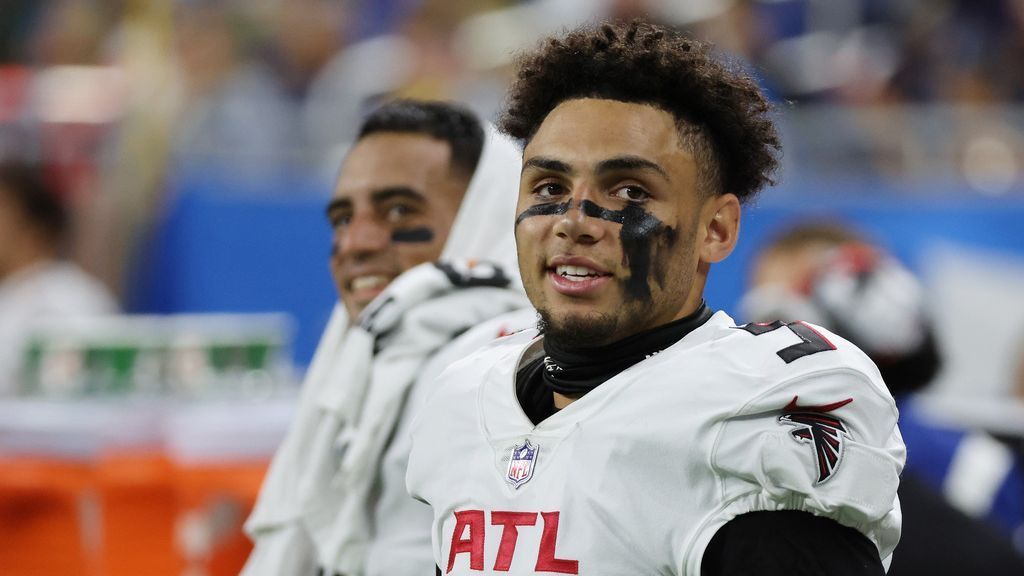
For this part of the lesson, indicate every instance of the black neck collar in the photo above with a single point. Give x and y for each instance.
(576, 371)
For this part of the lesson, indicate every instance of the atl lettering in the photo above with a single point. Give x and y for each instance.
(470, 532)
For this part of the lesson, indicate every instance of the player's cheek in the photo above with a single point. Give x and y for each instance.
(527, 236)
(411, 255)
(524, 234)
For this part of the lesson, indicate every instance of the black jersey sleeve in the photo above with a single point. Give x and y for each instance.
(789, 543)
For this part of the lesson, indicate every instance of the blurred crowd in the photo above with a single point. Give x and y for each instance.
(118, 98)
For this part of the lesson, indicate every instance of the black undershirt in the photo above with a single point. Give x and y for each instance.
(778, 543)
(789, 543)
(586, 369)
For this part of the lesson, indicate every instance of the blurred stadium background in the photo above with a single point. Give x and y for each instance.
(195, 142)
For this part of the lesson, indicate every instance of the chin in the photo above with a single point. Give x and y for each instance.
(580, 330)
(354, 307)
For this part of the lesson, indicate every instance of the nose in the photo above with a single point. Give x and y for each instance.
(576, 226)
(362, 236)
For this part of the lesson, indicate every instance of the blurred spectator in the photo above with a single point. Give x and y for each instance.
(236, 111)
(416, 58)
(827, 274)
(307, 34)
(273, 89)
(71, 32)
(35, 282)
(870, 52)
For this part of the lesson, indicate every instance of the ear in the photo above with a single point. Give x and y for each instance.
(720, 219)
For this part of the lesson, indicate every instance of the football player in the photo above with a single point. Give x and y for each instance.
(423, 181)
(636, 430)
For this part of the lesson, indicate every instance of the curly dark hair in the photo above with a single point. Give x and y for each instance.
(452, 123)
(723, 117)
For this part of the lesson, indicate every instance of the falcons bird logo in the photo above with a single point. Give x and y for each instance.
(815, 425)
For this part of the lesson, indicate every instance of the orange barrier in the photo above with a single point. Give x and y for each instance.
(124, 514)
(213, 503)
(42, 505)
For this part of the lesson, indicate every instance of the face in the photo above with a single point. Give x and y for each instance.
(613, 235)
(392, 208)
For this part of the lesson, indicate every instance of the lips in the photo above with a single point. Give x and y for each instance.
(576, 273)
(362, 288)
(576, 276)
(368, 282)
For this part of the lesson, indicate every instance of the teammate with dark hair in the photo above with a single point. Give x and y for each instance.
(398, 194)
(637, 431)
(418, 260)
(448, 123)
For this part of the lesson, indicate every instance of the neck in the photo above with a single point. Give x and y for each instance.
(561, 400)
(572, 372)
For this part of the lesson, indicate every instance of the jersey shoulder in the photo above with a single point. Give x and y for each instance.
(782, 366)
(803, 421)
(770, 354)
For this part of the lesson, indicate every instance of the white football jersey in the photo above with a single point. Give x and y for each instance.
(638, 475)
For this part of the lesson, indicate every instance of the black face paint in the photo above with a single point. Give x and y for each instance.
(544, 210)
(640, 229)
(412, 235)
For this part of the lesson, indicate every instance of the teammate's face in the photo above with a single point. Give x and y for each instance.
(394, 203)
(613, 234)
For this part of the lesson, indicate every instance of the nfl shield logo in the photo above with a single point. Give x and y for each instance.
(522, 463)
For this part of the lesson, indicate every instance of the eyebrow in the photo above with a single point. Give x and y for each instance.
(337, 204)
(621, 163)
(377, 197)
(618, 163)
(385, 194)
(549, 164)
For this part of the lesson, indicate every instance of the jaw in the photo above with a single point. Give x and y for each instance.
(585, 320)
(355, 305)
(589, 322)
(357, 295)
(578, 328)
